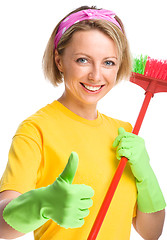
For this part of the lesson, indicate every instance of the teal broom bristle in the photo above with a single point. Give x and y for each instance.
(139, 64)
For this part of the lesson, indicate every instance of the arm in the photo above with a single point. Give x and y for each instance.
(65, 203)
(149, 225)
(151, 203)
(6, 231)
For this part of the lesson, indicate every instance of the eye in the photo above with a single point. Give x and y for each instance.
(109, 63)
(81, 60)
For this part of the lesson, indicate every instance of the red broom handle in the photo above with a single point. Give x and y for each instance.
(114, 183)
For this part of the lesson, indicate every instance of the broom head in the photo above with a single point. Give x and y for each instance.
(150, 74)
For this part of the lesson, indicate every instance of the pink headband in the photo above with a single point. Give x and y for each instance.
(84, 15)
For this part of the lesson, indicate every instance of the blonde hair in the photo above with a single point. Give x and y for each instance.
(50, 69)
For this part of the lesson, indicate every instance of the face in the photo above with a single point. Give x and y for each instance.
(90, 64)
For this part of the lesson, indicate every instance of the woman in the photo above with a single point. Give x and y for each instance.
(88, 50)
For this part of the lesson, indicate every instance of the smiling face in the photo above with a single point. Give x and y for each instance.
(90, 64)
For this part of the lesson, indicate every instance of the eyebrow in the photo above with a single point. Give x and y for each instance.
(90, 56)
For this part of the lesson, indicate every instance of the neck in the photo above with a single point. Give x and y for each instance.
(87, 111)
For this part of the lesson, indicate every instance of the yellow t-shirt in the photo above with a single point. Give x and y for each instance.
(40, 151)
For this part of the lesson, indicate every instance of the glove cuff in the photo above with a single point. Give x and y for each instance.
(150, 198)
(24, 212)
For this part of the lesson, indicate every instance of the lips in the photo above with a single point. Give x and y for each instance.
(92, 88)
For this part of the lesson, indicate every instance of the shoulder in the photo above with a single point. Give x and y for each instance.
(32, 126)
(118, 123)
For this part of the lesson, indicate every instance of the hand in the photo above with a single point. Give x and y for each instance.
(150, 198)
(63, 202)
(68, 203)
(133, 148)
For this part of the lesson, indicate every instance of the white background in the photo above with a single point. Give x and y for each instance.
(25, 27)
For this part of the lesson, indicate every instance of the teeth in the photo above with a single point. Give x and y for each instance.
(91, 88)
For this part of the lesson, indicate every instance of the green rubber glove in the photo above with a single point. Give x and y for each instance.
(150, 198)
(65, 203)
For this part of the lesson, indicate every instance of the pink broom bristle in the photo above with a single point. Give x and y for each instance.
(150, 74)
(156, 68)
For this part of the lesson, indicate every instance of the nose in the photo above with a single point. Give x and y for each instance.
(95, 74)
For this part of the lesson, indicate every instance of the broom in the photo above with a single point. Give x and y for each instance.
(151, 75)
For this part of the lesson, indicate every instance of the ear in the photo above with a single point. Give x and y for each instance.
(58, 61)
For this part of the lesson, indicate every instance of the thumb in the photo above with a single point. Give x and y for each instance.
(121, 131)
(71, 168)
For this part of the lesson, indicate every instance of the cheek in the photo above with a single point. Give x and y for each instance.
(112, 77)
(71, 78)
(75, 75)
(68, 75)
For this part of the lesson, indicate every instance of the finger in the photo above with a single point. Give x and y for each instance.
(121, 130)
(116, 141)
(123, 153)
(121, 133)
(76, 222)
(80, 213)
(132, 143)
(127, 137)
(83, 191)
(126, 144)
(79, 223)
(83, 213)
(85, 203)
(71, 168)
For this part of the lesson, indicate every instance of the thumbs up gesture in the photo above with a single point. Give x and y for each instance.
(65, 203)
(68, 203)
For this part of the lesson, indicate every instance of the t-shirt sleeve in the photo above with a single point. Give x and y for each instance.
(135, 210)
(126, 125)
(24, 159)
